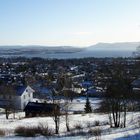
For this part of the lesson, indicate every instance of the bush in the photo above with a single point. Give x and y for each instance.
(97, 123)
(78, 126)
(25, 131)
(33, 131)
(44, 130)
(2, 133)
(92, 124)
(78, 112)
(95, 132)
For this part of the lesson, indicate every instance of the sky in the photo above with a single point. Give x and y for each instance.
(68, 22)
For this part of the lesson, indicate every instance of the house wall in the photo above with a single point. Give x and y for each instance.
(26, 97)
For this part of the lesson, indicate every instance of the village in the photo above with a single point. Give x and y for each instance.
(53, 88)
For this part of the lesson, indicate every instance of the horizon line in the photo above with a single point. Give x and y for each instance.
(43, 45)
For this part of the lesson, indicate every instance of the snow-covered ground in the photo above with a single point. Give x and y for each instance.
(130, 132)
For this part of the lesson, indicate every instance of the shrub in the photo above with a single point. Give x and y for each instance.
(97, 123)
(33, 131)
(78, 112)
(2, 133)
(90, 124)
(26, 131)
(44, 130)
(78, 126)
(95, 132)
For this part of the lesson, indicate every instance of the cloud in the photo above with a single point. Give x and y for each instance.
(82, 33)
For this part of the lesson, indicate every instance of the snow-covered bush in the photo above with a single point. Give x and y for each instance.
(78, 126)
(96, 132)
(33, 131)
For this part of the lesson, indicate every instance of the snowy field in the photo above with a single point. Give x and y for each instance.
(131, 132)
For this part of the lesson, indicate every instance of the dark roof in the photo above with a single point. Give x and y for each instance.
(20, 90)
(40, 107)
(136, 83)
(87, 84)
(45, 90)
(92, 91)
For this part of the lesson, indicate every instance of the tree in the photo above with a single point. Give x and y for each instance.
(88, 108)
(56, 112)
(117, 97)
(66, 108)
(60, 82)
(68, 97)
(56, 118)
(8, 94)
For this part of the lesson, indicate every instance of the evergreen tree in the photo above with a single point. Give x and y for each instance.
(88, 108)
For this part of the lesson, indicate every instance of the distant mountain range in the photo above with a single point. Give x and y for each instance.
(98, 46)
(22, 50)
(115, 46)
(38, 50)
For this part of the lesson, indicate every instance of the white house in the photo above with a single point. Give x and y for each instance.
(23, 96)
(20, 99)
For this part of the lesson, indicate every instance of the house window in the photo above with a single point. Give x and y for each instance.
(29, 95)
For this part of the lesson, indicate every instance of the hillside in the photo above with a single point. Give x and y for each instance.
(85, 121)
(115, 46)
(25, 50)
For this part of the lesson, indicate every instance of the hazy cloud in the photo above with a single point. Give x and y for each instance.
(82, 33)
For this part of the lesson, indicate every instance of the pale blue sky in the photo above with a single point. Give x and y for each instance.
(68, 22)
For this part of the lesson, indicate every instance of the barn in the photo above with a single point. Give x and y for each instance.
(34, 109)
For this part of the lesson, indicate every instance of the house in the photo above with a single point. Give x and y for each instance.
(87, 84)
(43, 92)
(24, 95)
(94, 92)
(34, 109)
(136, 85)
(18, 96)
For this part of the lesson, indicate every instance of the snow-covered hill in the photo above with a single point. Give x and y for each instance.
(115, 46)
(131, 132)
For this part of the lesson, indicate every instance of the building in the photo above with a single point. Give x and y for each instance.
(136, 85)
(16, 97)
(34, 109)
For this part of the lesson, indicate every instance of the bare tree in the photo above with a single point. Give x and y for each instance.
(56, 118)
(117, 98)
(56, 111)
(8, 96)
(68, 97)
(66, 107)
